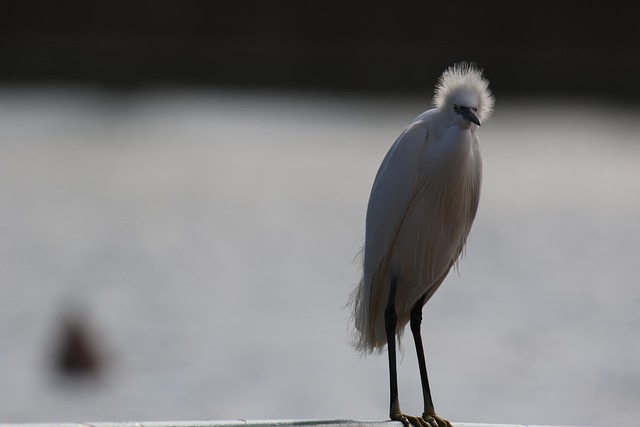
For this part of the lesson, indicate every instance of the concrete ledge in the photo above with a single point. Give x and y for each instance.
(253, 423)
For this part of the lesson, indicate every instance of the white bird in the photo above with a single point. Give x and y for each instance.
(422, 205)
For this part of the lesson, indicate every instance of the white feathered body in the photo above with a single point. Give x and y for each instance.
(422, 204)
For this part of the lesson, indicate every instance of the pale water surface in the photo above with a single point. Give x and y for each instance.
(210, 236)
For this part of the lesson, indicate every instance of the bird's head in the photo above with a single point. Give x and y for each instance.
(463, 95)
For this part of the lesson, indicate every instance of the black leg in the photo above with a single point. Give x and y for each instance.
(416, 321)
(390, 321)
(429, 417)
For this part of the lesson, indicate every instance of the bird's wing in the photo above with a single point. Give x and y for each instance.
(392, 190)
(391, 198)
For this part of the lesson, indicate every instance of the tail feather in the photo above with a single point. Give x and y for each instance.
(359, 340)
(363, 337)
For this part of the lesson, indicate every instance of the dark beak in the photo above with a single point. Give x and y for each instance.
(469, 115)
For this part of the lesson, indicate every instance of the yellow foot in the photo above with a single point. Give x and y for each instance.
(426, 420)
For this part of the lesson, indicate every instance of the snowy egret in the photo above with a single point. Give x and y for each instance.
(422, 204)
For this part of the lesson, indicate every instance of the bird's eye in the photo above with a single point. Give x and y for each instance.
(455, 108)
(475, 110)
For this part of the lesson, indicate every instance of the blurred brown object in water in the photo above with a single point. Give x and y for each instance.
(77, 352)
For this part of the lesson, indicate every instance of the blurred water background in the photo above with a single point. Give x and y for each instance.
(183, 187)
(207, 239)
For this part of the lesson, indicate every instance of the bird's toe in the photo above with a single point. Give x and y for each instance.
(424, 421)
(434, 420)
(402, 418)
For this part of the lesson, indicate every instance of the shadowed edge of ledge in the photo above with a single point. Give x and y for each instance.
(255, 423)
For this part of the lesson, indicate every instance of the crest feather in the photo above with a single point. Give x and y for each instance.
(464, 76)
